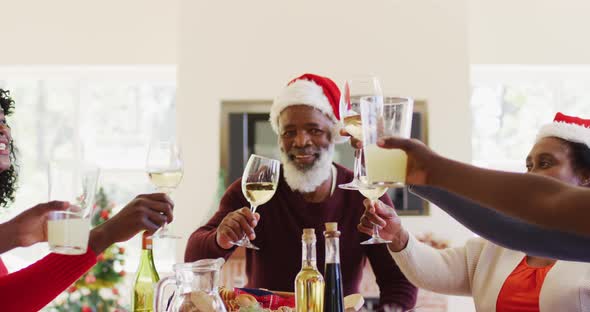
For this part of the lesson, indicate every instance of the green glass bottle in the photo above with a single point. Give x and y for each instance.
(146, 278)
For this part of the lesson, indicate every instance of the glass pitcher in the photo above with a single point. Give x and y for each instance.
(195, 288)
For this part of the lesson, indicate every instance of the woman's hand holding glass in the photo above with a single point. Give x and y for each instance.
(379, 214)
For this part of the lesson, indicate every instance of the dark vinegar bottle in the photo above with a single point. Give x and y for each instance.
(333, 296)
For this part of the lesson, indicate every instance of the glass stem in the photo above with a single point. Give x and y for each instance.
(166, 191)
(375, 231)
(375, 226)
(357, 164)
(253, 209)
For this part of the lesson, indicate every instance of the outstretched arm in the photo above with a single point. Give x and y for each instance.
(506, 231)
(540, 200)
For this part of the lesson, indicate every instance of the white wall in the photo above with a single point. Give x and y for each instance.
(88, 32)
(529, 32)
(250, 50)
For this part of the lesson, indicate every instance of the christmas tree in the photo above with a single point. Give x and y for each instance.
(97, 290)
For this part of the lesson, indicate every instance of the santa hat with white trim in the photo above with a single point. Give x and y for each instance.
(569, 128)
(312, 90)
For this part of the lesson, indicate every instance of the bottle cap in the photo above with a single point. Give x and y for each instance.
(331, 226)
(308, 235)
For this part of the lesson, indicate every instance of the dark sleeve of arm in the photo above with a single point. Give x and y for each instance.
(33, 287)
(540, 200)
(507, 231)
(394, 287)
(202, 243)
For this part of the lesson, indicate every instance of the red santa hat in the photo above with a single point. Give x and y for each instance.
(568, 128)
(312, 90)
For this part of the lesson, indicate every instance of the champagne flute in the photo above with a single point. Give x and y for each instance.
(350, 114)
(165, 170)
(259, 183)
(373, 193)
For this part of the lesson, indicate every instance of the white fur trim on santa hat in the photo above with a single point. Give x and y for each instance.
(566, 131)
(304, 92)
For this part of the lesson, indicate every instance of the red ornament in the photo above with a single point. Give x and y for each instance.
(86, 309)
(104, 214)
(115, 291)
(122, 273)
(121, 250)
(100, 258)
(72, 289)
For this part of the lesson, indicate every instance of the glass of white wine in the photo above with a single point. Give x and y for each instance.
(259, 184)
(350, 114)
(384, 117)
(165, 169)
(373, 193)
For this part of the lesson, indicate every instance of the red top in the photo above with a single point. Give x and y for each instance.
(278, 235)
(521, 289)
(33, 287)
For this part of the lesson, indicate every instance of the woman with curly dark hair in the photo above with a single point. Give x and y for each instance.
(33, 287)
(7, 150)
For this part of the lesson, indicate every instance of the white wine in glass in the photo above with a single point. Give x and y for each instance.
(350, 114)
(354, 126)
(166, 181)
(165, 169)
(373, 193)
(259, 184)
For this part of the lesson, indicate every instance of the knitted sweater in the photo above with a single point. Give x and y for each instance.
(480, 268)
(33, 287)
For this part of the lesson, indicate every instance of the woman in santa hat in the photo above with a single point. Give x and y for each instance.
(500, 279)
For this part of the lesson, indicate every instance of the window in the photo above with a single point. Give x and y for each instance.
(511, 103)
(105, 115)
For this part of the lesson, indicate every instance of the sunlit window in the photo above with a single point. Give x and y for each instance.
(510, 104)
(105, 115)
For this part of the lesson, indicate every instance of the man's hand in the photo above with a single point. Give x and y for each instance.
(30, 227)
(355, 143)
(235, 225)
(144, 213)
(390, 224)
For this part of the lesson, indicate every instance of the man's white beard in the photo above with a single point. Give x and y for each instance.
(308, 180)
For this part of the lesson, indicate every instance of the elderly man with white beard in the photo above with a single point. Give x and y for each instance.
(305, 117)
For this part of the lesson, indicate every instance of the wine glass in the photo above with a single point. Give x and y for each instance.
(164, 168)
(259, 183)
(350, 114)
(373, 193)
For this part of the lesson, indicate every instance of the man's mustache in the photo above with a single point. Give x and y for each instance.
(304, 151)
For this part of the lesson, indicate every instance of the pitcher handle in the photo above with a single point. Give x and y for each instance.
(159, 288)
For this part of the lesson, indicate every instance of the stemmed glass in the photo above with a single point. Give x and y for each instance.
(350, 114)
(373, 193)
(165, 169)
(259, 183)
